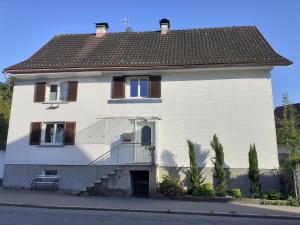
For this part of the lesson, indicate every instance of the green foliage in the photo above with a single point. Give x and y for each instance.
(236, 192)
(253, 172)
(289, 202)
(6, 90)
(272, 195)
(204, 190)
(293, 201)
(218, 169)
(194, 172)
(170, 186)
(288, 135)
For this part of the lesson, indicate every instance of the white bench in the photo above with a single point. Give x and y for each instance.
(45, 180)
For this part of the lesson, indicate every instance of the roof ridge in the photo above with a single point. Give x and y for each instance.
(155, 31)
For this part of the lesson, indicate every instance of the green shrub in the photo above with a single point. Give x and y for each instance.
(236, 192)
(293, 201)
(253, 172)
(204, 190)
(195, 174)
(170, 186)
(218, 168)
(274, 202)
(272, 195)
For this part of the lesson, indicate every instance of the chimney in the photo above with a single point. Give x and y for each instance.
(164, 26)
(101, 29)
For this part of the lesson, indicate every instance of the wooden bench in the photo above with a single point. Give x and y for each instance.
(43, 180)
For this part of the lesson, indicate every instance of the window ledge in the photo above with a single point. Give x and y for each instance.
(134, 100)
(54, 102)
(50, 145)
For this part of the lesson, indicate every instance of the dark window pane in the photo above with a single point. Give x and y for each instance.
(50, 172)
(53, 92)
(49, 133)
(134, 87)
(144, 88)
(146, 135)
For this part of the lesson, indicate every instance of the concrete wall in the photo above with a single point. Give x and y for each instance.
(236, 104)
(2, 162)
(75, 177)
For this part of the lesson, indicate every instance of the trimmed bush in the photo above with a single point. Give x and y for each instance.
(170, 186)
(218, 162)
(194, 172)
(236, 193)
(272, 195)
(253, 172)
(204, 190)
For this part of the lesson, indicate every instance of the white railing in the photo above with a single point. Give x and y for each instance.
(126, 154)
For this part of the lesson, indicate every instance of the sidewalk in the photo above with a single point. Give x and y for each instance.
(64, 200)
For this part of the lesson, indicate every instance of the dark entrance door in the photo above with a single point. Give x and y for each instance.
(140, 183)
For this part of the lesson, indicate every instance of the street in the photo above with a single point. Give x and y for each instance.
(37, 216)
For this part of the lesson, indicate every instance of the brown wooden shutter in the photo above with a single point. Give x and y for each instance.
(69, 133)
(155, 86)
(39, 92)
(118, 87)
(35, 133)
(72, 91)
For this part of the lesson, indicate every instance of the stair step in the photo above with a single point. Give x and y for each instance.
(111, 173)
(104, 178)
(119, 168)
(97, 182)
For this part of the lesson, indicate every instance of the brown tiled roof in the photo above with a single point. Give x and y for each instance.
(194, 48)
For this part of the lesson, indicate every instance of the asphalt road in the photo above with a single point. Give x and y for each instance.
(36, 216)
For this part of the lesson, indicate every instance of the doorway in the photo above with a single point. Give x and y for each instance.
(140, 182)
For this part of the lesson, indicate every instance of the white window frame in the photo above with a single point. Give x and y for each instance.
(139, 78)
(43, 135)
(58, 91)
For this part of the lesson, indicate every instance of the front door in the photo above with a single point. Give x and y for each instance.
(145, 139)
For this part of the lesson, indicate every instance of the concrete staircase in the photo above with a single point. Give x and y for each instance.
(106, 185)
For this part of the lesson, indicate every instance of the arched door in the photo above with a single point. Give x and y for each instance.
(146, 135)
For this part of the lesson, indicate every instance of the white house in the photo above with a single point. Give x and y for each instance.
(113, 111)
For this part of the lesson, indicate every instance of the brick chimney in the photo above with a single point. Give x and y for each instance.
(101, 29)
(164, 26)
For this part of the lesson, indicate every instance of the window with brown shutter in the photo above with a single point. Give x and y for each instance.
(72, 91)
(35, 133)
(118, 87)
(155, 86)
(39, 92)
(69, 133)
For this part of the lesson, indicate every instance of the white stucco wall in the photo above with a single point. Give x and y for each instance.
(236, 105)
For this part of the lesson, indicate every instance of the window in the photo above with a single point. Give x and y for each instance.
(138, 87)
(58, 92)
(50, 172)
(54, 133)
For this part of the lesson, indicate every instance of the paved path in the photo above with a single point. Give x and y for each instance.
(36, 216)
(63, 199)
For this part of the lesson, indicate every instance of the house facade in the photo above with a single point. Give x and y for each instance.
(113, 111)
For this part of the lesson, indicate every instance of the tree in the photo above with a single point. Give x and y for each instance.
(196, 178)
(253, 172)
(218, 169)
(288, 135)
(6, 91)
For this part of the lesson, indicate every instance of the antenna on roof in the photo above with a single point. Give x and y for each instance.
(126, 22)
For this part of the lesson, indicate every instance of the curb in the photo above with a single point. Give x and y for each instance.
(166, 211)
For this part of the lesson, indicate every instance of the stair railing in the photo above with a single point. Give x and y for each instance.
(118, 148)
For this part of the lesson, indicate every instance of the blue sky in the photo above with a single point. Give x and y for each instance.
(26, 25)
